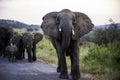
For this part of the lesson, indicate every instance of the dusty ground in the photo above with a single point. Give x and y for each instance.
(23, 70)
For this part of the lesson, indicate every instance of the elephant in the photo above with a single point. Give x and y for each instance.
(64, 29)
(17, 40)
(11, 51)
(29, 43)
(5, 35)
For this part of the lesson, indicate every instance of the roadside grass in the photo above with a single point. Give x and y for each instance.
(95, 61)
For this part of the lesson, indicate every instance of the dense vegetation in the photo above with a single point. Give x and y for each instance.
(105, 35)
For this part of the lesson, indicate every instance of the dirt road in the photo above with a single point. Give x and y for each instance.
(23, 70)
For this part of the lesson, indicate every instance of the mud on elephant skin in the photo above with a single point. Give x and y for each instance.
(29, 43)
(64, 28)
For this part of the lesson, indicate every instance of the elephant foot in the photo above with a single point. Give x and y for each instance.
(75, 76)
(9, 59)
(34, 58)
(71, 73)
(0, 54)
(19, 58)
(64, 76)
(29, 60)
(58, 69)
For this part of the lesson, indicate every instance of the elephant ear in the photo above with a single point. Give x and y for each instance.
(82, 25)
(37, 37)
(49, 25)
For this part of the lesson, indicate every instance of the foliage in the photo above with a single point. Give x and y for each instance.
(103, 59)
(105, 35)
(108, 35)
(46, 52)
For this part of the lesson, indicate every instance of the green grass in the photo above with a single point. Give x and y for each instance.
(46, 52)
(96, 60)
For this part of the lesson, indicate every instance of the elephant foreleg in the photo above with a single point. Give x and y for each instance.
(75, 68)
(59, 67)
(75, 71)
(23, 53)
(63, 65)
(34, 52)
(29, 55)
(56, 45)
(9, 56)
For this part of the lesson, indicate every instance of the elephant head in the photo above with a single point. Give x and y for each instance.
(37, 37)
(66, 24)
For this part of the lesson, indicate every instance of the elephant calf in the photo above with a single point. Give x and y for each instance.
(17, 40)
(29, 43)
(11, 51)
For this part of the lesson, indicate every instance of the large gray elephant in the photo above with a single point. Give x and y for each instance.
(5, 35)
(29, 43)
(64, 28)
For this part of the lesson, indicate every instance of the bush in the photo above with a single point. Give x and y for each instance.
(103, 59)
(107, 35)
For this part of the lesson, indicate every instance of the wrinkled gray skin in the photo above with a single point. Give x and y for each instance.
(29, 43)
(11, 51)
(17, 40)
(64, 29)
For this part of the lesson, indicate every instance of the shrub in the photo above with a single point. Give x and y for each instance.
(103, 58)
(107, 35)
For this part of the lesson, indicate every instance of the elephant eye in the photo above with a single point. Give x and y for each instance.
(74, 21)
(58, 21)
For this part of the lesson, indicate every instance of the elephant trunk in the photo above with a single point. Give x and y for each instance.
(66, 36)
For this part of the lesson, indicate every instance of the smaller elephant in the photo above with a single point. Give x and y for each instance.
(29, 43)
(17, 40)
(11, 51)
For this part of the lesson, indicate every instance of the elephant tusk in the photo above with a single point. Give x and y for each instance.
(60, 29)
(73, 32)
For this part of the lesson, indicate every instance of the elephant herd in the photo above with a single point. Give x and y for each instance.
(13, 45)
(64, 29)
